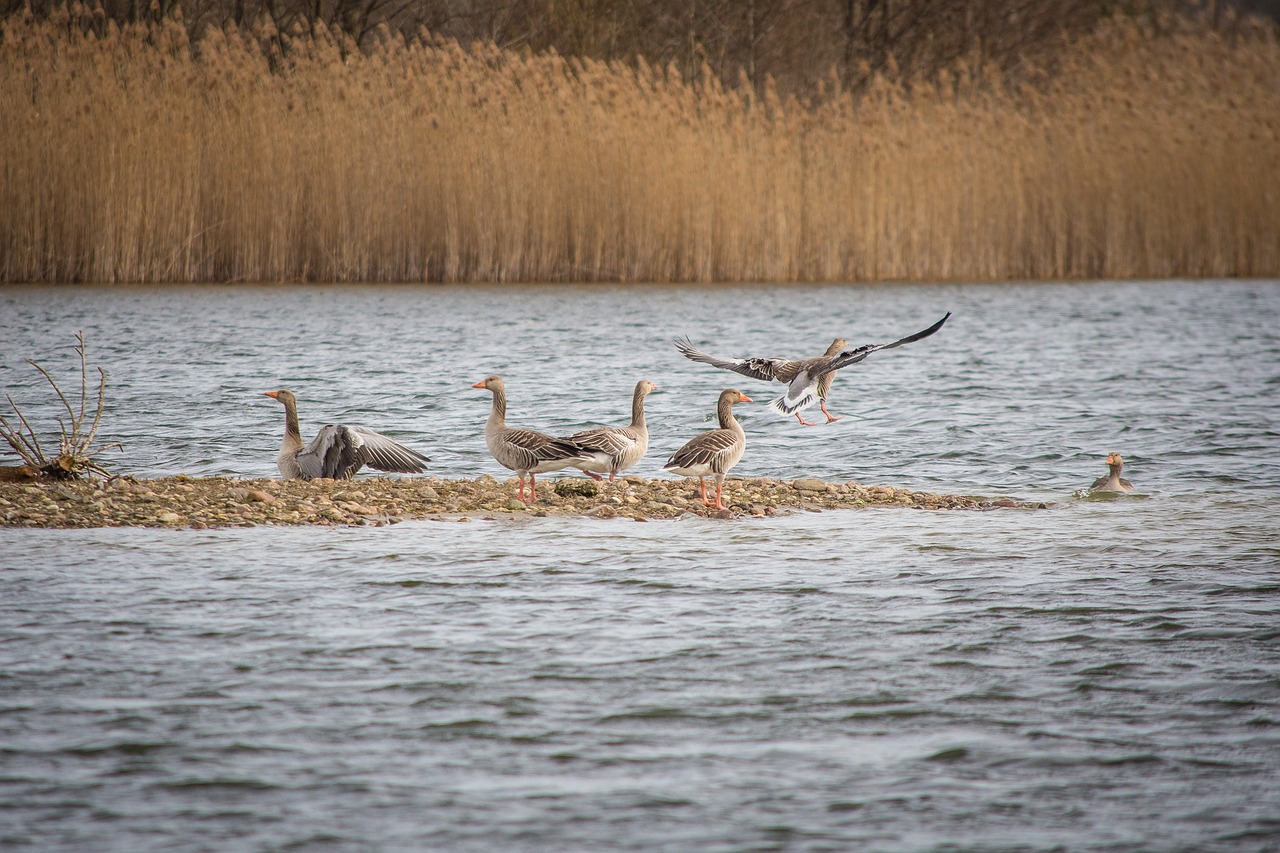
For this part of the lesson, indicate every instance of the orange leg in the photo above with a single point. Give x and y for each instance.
(702, 482)
(803, 421)
(719, 489)
(533, 485)
(830, 417)
(593, 475)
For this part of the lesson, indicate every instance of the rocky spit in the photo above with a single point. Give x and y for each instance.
(206, 502)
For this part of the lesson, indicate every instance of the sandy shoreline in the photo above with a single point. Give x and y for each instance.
(212, 502)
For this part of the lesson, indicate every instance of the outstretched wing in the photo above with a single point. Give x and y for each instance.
(767, 369)
(334, 452)
(857, 354)
(386, 454)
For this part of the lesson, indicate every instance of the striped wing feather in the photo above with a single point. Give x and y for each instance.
(710, 448)
(531, 448)
(386, 454)
(609, 440)
(767, 369)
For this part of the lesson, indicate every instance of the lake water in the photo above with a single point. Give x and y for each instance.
(1100, 675)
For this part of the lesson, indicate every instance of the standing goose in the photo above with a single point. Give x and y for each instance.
(525, 451)
(808, 380)
(1112, 482)
(338, 450)
(615, 449)
(713, 453)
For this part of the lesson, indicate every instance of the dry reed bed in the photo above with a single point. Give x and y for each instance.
(140, 156)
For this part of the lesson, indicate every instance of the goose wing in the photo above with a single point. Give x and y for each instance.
(608, 440)
(334, 452)
(530, 448)
(705, 449)
(767, 369)
(857, 354)
(387, 454)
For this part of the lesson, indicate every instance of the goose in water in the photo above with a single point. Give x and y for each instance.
(713, 453)
(338, 451)
(1112, 482)
(525, 451)
(615, 449)
(808, 380)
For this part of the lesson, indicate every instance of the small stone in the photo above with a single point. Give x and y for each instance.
(577, 486)
(167, 517)
(605, 511)
(260, 496)
(809, 484)
(515, 504)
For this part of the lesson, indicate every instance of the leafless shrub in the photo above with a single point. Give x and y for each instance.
(75, 456)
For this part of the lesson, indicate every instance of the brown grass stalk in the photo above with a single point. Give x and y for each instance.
(138, 156)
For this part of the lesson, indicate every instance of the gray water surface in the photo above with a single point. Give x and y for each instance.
(1101, 675)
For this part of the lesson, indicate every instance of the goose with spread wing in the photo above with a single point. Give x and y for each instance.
(525, 451)
(808, 380)
(1112, 481)
(338, 451)
(614, 449)
(713, 453)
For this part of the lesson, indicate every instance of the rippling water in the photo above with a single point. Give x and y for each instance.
(1102, 675)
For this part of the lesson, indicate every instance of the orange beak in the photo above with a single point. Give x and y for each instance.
(479, 384)
(275, 394)
(745, 398)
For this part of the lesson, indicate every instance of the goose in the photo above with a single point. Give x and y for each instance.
(1112, 482)
(338, 451)
(713, 453)
(808, 380)
(615, 449)
(525, 451)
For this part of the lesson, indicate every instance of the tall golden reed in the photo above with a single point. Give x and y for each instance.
(137, 155)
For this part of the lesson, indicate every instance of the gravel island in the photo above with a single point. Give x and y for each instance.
(207, 502)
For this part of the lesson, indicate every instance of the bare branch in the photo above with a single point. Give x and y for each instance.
(18, 442)
(97, 415)
(66, 405)
(38, 449)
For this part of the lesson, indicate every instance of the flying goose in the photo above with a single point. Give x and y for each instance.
(615, 449)
(713, 453)
(808, 380)
(525, 451)
(338, 450)
(1112, 482)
